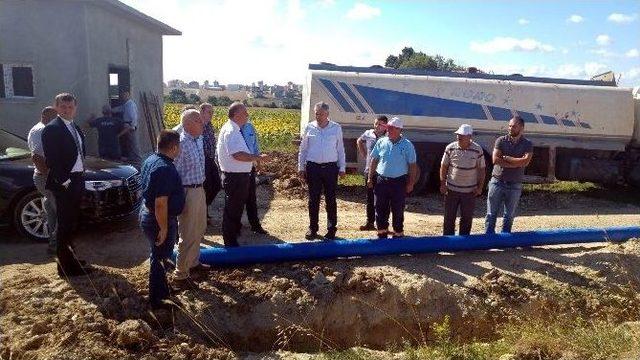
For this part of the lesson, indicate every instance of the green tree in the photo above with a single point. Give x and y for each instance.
(224, 101)
(212, 100)
(194, 99)
(410, 59)
(178, 96)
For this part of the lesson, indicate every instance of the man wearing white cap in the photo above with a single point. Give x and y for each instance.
(393, 173)
(462, 173)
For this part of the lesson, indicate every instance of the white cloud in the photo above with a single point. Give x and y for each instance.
(327, 3)
(362, 11)
(633, 53)
(633, 73)
(622, 18)
(569, 70)
(564, 51)
(603, 40)
(276, 52)
(579, 71)
(575, 19)
(503, 44)
(523, 21)
(594, 68)
(603, 52)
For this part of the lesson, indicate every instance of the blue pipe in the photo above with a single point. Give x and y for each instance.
(244, 255)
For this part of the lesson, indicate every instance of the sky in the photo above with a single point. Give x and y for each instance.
(237, 41)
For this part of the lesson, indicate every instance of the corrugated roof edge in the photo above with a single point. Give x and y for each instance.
(162, 27)
(373, 70)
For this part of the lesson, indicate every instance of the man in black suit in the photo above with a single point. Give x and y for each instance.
(63, 144)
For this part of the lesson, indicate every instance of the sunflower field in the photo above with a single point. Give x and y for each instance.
(276, 128)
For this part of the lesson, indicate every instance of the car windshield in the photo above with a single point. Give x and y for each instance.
(12, 147)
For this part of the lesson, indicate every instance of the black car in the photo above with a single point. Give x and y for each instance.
(112, 190)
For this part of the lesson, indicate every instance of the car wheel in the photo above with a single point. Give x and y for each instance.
(29, 217)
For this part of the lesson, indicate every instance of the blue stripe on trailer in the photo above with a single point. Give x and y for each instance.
(336, 95)
(353, 97)
(384, 101)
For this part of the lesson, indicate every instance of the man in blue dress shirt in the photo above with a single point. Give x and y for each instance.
(251, 206)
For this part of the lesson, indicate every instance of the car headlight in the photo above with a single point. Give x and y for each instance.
(101, 185)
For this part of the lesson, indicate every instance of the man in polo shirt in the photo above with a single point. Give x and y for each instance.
(164, 199)
(236, 162)
(393, 173)
(321, 160)
(193, 222)
(251, 138)
(511, 154)
(34, 140)
(109, 132)
(365, 144)
(462, 173)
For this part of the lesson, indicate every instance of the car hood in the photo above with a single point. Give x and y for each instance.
(96, 168)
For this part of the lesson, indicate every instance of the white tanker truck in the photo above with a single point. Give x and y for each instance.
(583, 130)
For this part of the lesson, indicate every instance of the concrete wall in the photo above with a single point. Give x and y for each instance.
(120, 41)
(71, 45)
(49, 37)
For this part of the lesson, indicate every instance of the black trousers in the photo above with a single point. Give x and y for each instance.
(236, 191)
(371, 209)
(390, 194)
(466, 203)
(252, 202)
(67, 210)
(322, 177)
(212, 184)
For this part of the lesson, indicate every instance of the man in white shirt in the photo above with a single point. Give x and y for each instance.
(40, 172)
(64, 151)
(321, 160)
(236, 161)
(365, 144)
(129, 134)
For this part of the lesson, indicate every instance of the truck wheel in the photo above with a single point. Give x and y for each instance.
(426, 167)
(29, 217)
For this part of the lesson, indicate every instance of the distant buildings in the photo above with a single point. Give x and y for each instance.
(257, 94)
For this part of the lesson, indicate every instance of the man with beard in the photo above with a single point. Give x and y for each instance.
(511, 154)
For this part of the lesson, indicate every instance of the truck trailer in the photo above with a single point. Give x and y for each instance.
(582, 130)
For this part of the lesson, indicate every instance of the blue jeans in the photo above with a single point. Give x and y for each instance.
(158, 286)
(502, 195)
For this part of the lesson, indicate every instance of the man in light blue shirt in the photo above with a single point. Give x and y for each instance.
(392, 173)
(251, 206)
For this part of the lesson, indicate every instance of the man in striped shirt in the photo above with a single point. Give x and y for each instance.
(462, 174)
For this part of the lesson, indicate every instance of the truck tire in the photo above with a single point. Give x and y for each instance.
(425, 164)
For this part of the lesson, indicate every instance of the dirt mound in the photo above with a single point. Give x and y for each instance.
(283, 169)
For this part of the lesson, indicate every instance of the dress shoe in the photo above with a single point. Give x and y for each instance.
(383, 234)
(259, 230)
(367, 227)
(310, 235)
(184, 284)
(398, 235)
(330, 235)
(202, 268)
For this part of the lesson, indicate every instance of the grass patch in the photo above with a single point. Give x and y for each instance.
(619, 194)
(533, 339)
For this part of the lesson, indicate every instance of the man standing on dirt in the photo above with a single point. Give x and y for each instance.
(321, 160)
(164, 200)
(129, 134)
(64, 152)
(236, 161)
(109, 132)
(392, 173)
(212, 184)
(462, 173)
(251, 138)
(34, 140)
(365, 144)
(192, 224)
(511, 154)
